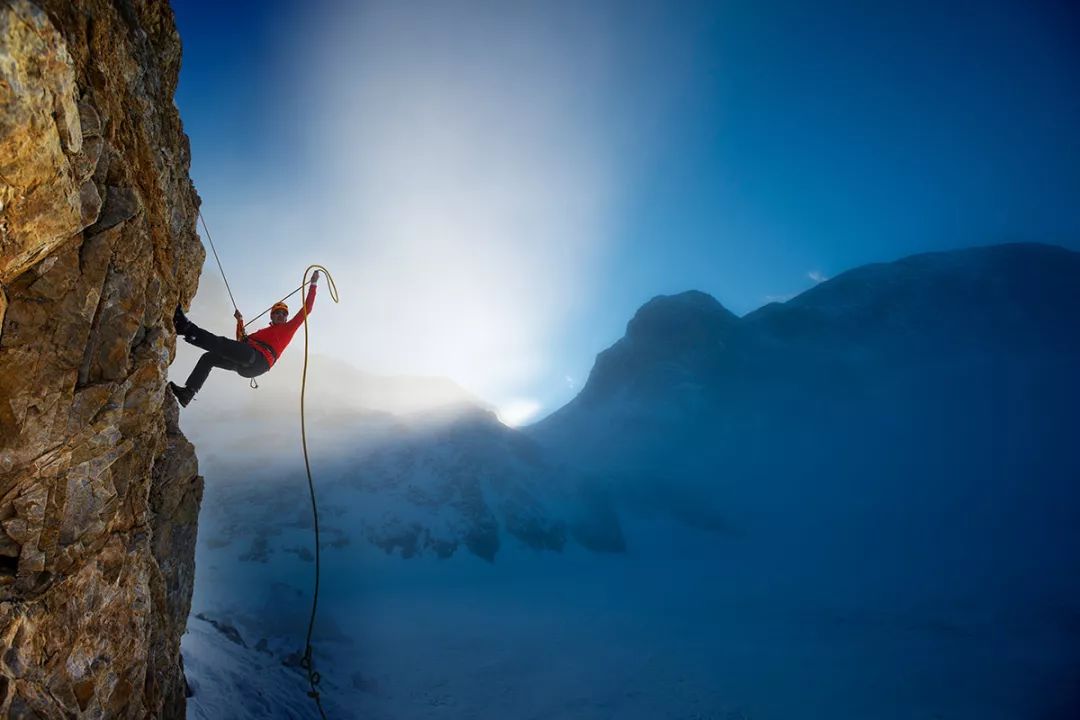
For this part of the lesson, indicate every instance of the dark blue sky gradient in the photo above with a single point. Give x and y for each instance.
(827, 136)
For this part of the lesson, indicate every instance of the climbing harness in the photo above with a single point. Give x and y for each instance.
(307, 662)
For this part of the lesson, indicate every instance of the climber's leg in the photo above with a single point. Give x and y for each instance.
(180, 321)
(254, 369)
(182, 394)
(220, 352)
(207, 362)
(240, 353)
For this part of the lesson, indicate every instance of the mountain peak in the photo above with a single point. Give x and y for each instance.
(1001, 295)
(686, 318)
(670, 334)
(1019, 267)
(982, 301)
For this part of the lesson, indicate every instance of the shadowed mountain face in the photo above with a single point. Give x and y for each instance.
(1010, 301)
(670, 340)
(916, 416)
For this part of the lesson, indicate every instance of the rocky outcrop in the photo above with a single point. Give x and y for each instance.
(99, 491)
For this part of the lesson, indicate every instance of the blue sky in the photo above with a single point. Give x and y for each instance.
(497, 187)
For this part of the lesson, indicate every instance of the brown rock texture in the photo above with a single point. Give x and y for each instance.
(99, 491)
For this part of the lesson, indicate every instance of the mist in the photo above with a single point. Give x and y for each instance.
(459, 173)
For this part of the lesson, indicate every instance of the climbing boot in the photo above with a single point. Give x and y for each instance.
(183, 325)
(183, 393)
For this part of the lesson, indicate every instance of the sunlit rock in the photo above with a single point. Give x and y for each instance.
(99, 491)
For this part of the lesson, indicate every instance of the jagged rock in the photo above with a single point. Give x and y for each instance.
(87, 161)
(91, 203)
(39, 129)
(104, 164)
(120, 205)
(99, 491)
(90, 120)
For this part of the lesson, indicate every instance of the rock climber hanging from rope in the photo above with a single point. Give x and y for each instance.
(249, 355)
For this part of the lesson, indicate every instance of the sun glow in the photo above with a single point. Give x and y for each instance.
(468, 193)
(518, 412)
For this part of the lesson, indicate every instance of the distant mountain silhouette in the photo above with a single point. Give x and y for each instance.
(1017, 300)
(922, 412)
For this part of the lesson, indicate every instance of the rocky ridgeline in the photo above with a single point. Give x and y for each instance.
(99, 491)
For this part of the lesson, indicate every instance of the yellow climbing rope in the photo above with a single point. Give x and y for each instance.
(307, 663)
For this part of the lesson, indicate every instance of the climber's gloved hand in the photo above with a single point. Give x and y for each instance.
(315, 277)
(238, 315)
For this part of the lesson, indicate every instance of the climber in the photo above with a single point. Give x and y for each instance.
(249, 355)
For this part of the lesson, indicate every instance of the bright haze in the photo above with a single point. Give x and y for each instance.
(496, 187)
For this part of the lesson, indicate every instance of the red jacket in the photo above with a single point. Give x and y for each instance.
(278, 336)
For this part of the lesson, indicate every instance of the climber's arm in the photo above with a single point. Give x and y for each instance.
(309, 303)
(241, 333)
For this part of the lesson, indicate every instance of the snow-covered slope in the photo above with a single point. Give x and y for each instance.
(431, 484)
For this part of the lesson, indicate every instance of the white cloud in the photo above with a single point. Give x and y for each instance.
(817, 276)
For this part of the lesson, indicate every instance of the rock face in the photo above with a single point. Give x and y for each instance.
(99, 491)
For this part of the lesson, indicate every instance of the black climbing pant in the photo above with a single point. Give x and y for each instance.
(223, 353)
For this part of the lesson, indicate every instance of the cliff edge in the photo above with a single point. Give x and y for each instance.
(99, 491)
